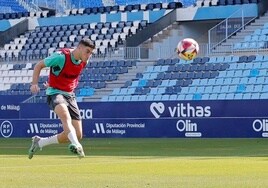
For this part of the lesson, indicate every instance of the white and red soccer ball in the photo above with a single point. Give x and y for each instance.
(187, 49)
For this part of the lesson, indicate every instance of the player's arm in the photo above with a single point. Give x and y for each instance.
(36, 73)
(55, 59)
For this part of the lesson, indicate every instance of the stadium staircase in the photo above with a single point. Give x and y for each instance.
(160, 36)
(240, 36)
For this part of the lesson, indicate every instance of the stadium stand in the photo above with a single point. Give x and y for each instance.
(107, 36)
(11, 6)
(13, 9)
(257, 40)
(233, 76)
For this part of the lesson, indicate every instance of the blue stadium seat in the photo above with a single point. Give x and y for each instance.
(95, 10)
(2, 16)
(129, 8)
(107, 9)
(150, 6)
(158, 97)
(101, 10)
(174, 5)
(115, 8)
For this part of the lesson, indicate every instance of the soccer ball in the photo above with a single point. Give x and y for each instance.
(187, 49)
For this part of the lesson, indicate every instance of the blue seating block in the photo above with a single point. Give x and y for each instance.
(86, 92)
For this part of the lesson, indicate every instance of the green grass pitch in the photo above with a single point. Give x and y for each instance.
(138, 163)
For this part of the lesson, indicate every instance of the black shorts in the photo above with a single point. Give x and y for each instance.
(70, 101)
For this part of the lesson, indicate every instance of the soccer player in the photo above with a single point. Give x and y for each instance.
(65, 68)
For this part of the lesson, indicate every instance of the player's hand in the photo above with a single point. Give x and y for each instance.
(34, 88)
(46, 84)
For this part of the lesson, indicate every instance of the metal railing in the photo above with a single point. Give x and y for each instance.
(225, 29)
(5, 9)
(137, 53)
(32, 99)
(29, 5)
(58, 5)
(168, 52)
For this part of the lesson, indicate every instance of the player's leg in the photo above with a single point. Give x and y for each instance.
(68, 130)
(68, 116)
(78, 128)
(34, 147)
(38, 142)
(60, 106)
(62, 137)
(76, 117)
(77, 149)
(77, 124)
(62, 111)
(73, 148)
